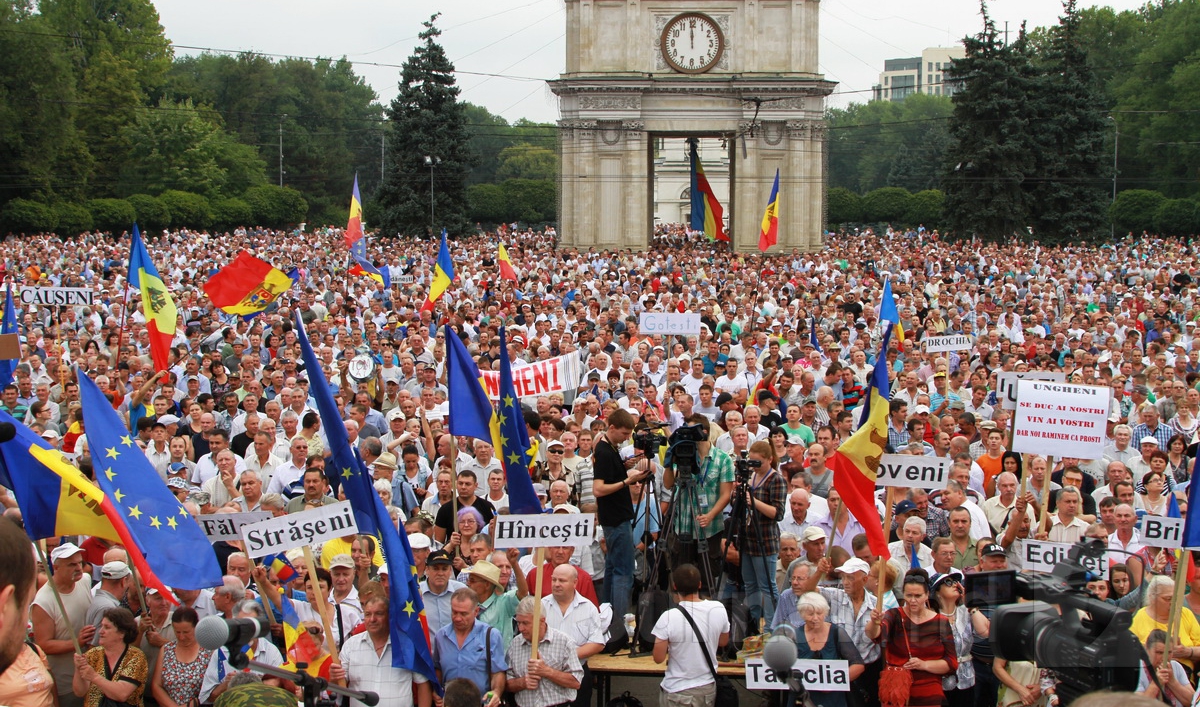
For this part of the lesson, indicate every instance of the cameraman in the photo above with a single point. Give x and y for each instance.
(765, 495)
(614, 511)
(698, 523)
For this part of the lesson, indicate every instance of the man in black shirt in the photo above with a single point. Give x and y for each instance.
(444, 524)
(614, 511)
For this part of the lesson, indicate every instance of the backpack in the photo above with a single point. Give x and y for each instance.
(625, 699)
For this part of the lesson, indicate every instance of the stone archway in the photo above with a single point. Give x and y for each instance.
(640, 69)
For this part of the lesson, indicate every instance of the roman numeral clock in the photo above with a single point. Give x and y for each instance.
(692, 43)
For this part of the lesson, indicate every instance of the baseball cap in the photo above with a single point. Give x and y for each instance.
(342, 560)
(177, 483)
(419, 541)
(795, 439)
(169, 420)
(921, 410)
(114, 570)
(724, 398)
(905, 506)
(1149, 440)
(854, 565)
(64, 551)
(812, 533)
(441, 557)
(938, 580)
(178, 466)
(555, 443)
(539, 489)
(51, 434)
(565, 508)
(991, 550)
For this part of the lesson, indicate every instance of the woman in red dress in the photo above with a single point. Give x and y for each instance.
(918, 639)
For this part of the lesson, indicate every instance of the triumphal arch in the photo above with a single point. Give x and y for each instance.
(641, 71)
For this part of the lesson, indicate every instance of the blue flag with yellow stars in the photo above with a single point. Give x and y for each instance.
(406, 612)
(8, 326)
(175, 548)
(515, 453)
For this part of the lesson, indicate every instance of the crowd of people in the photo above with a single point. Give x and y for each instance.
(788, 343)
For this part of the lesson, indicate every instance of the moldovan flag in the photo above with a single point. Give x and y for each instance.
(507, 271)
(707, 215)
(443, 275)
(888, 311)
(354, 231)
(157, 305)
(768, 234)
(856, 461)
(247, 286)
(57, 499)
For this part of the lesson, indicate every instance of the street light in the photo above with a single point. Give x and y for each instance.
(1112, 230)
(431, 162)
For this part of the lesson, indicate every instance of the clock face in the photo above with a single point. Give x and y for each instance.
(692, 43)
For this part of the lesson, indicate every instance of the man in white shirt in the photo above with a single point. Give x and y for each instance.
(688, 679)
(569, 611)
(366, 663)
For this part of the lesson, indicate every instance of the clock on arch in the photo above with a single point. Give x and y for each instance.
(692, 43)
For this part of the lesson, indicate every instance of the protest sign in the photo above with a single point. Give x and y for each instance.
(310, 527)
(820, 675)
(1159, 531)
(953, 342)
(908, 471)
(57, 295)
(1060, 419)
(554, 375)
(545, 530)
(1006, 384)
(1044, 556)
(669, 323)
(228, 526)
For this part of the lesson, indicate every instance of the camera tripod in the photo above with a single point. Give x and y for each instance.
(742, 532)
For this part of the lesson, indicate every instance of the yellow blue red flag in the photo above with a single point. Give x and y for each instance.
(157, 305)
(768, 233)
(888, 311)
(248, 285)
(707, 214)
(443, 275)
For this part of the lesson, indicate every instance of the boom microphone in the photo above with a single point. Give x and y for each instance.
(214, 632)
(779, 652)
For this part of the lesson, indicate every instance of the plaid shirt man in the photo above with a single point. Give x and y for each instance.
(558, 652)
(715, 469)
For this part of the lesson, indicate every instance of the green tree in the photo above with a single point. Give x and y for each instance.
(1177, 217)
(1135, 210)
(28, 216)
(488, 203)
(844, 206)
(149, 212)
(530, 201)
(232, 212)
(925, 208)
(427, 120)
(276, 206)
(1068, 195)
(187, 209)
(115, 215)
(991, 151)
(127, 30)
(525, 161)
(73, 219)
(886, 205)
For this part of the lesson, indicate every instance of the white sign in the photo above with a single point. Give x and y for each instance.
(954, 342)
(310, 527)
(1159, 531)
(228, 526)
(908, 471)
(402, 280)
(819, 675)
(1060, 419)
(66, 296)
(1044, 556)
(1006, 384)
(669, 323)
(554, 375)
(545, 530)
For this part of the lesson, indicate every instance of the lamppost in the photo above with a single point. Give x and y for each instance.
(1112, 231)
(431, 162)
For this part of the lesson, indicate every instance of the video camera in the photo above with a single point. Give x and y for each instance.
(684, 452)
(1061, 627)
(646, 438)
(742, 466)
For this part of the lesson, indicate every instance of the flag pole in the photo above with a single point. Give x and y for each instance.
(41, 549)
(887, 525)
(322, 607)
(539, 559)
(1183, 559)
(1044, 522)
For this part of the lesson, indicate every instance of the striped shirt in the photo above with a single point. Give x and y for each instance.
(557, 651)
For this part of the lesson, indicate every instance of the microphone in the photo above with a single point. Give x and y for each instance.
(779, 652)
(214, 632)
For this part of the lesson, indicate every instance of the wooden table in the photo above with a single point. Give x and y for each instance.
(606, 667)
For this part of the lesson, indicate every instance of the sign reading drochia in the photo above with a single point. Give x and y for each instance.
(57, 296)
(953, 342)
(545, 530)
(669, 323)
(309, 527)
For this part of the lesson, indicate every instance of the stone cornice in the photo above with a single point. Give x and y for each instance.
(740, 89)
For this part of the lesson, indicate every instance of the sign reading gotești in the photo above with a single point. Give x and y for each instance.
(545, 530)
(909, 471)
(819, 675)
(68, 296)
(954, 342)
(1060, 419)
(668, 323)
(309, 527)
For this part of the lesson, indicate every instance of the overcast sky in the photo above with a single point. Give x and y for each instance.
(523, 39)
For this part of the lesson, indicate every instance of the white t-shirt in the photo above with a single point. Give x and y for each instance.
(686, 667)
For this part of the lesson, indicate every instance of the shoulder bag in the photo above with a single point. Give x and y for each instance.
(726, 692)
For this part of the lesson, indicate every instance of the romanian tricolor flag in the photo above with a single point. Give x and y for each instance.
(409, 629)
(888, 311)
(248, 286)
(707, 215)
(57, 499)
(354, 230)
(300, 646)
(507, 271)
(359, 263)
(515, 452)
(279, 564)
(178, 551)
(157, 305)
(443, 275)
(9, 326)
(856, 461)
(768, 233)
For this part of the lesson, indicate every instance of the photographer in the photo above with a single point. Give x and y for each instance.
(614, 511)
(698, 523)
(760, 539)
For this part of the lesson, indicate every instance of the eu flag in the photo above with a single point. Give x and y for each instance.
(409, 630)
(470, 409)
(1191, 523)
(812, 337)
(8, 326)
(514, 451)
(176, 548)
